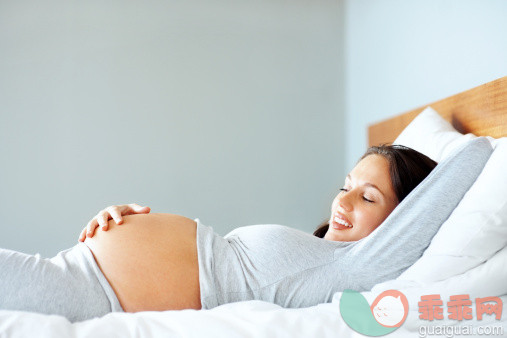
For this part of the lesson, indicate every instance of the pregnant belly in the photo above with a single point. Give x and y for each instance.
(150, 261)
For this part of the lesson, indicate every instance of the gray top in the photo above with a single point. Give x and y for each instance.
(292, 268)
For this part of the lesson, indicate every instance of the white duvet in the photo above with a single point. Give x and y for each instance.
(261, 319)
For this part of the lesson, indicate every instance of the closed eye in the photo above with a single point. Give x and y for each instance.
(364, 198)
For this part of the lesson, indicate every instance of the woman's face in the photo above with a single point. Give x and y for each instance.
(365, 201)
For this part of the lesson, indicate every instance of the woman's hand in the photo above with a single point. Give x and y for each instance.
(113, 212)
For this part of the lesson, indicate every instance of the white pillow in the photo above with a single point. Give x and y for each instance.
(431, 135)
(477, 228)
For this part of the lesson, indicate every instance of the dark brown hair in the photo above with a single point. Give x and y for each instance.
(407, 168)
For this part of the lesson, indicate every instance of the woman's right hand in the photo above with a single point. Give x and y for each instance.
(113, 212)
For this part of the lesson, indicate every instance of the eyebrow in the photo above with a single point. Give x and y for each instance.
(368, 184)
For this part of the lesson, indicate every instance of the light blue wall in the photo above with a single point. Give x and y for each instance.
(227, 111)
(230, 112)
(403, 54)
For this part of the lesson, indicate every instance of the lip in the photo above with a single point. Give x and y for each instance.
(338, 226)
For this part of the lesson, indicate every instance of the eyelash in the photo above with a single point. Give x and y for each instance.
(364, 198)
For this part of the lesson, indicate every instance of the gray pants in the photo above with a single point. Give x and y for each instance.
(69, 284)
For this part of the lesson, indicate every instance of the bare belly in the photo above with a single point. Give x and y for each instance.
(150, 261)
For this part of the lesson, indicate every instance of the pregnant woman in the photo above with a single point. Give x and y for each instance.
(152, 262)
(169, 262)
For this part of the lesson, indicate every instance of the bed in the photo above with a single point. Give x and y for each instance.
(463, 265)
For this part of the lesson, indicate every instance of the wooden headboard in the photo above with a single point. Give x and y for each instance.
(481, 111)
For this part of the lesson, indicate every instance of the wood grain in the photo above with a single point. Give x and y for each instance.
(481, 111)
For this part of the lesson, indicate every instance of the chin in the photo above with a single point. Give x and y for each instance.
(333, 235)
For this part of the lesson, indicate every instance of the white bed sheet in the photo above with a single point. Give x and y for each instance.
(242, 319)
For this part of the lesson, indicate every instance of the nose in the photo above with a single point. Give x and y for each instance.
(345, 202)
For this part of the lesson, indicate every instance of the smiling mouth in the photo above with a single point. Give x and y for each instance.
(339, 223)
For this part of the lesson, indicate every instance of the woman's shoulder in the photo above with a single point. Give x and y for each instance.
(281, 237)
(267, 230)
